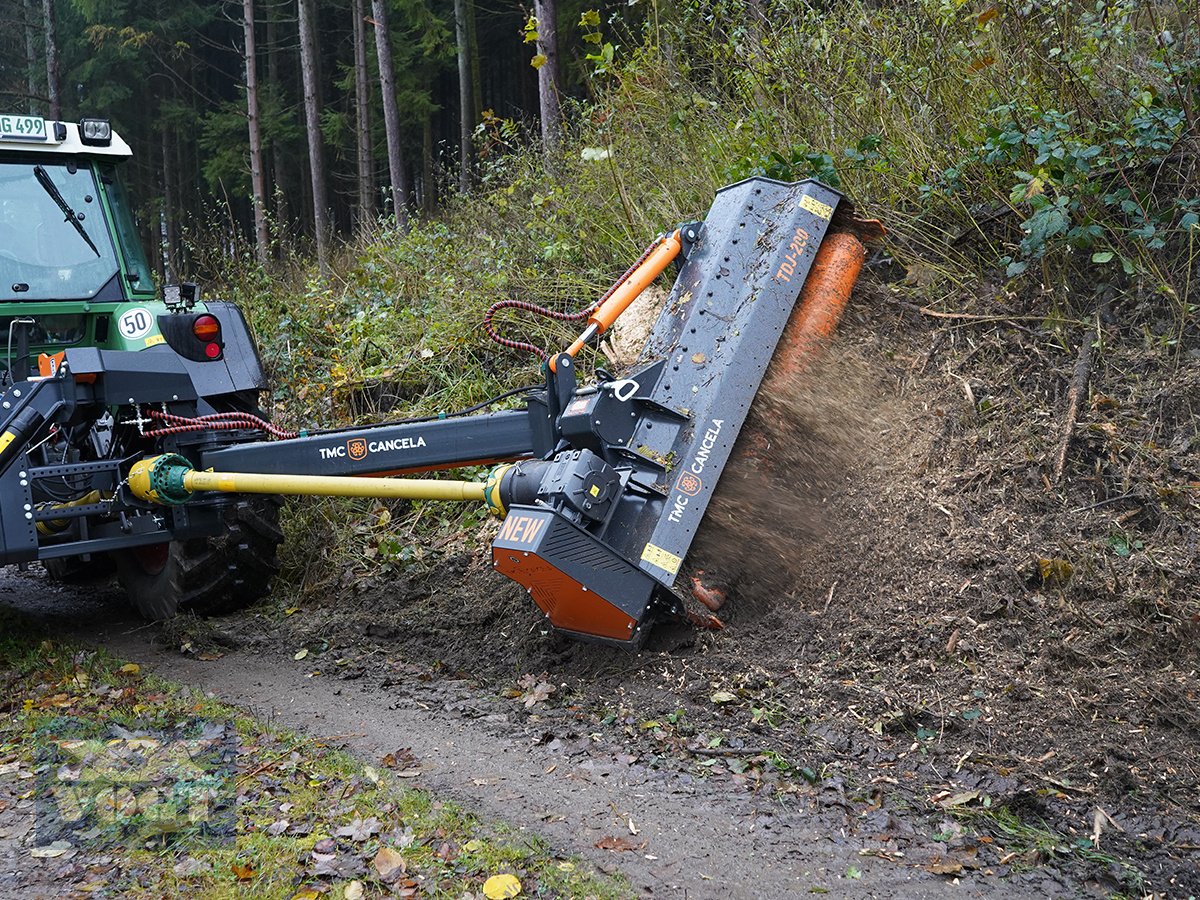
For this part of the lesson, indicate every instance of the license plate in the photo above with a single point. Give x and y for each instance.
(22, 128)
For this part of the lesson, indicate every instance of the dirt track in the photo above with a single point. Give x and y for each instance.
(702, 838)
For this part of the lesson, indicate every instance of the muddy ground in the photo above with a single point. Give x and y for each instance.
(939, 667)
(919, 612)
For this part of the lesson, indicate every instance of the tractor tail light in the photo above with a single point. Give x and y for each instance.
(207, 329)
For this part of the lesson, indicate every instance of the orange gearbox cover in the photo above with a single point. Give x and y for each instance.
(569, 605)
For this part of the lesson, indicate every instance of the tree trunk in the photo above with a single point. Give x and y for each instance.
(278, 168)
(476, 77)
(365, 210)
(548, 81)
(391, 112)
(257, 180)
(168, 262)
(312, 122)
(466, 104)
(51, 59)
(31, 65)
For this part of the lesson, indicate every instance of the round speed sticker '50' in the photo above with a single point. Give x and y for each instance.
(135, 323)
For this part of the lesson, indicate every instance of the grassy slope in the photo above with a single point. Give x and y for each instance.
(1030, 161)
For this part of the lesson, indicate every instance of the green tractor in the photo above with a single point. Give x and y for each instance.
(146, 372)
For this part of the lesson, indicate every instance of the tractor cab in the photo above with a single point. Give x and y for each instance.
(71, 262)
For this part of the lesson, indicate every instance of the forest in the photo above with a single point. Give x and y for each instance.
(310, 115)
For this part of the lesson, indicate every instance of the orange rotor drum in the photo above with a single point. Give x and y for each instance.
(834, 271)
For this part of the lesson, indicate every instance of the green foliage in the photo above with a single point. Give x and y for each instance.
(1051, 143)
(1054, 133)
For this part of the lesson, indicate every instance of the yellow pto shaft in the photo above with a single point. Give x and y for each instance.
(333, 486)
(170, 479)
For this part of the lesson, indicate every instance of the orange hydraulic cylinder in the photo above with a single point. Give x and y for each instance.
(826, 291)
(641, 278)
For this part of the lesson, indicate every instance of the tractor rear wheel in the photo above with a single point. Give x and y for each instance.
(207, 576)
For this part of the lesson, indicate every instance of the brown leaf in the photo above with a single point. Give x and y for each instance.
(536, 689)
(243, 871)
(403, 758)
(334, 865)
(944, 866)
(389, 863)
(618, 843)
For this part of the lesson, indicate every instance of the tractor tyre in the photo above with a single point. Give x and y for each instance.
(206, 576)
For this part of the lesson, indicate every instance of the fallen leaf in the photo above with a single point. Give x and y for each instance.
(945, 867)
(277, 828)
(1055, 572)
(536, 690)
(307, 894)
(301, 653)
(499, 887)
(291, 610)
(243, 872)
(334, 865)
(353, 891)
(190, 866)
(389, 863)
(400, 759)
(633, 829)
(130, 669)
(960, 799)
(50, 851)
(618, 843)
(722, 697)
(360, 829)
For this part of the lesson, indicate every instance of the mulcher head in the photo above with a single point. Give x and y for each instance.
(598, 531)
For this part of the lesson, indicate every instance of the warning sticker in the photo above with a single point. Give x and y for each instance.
(816, 207)
(664, 559)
